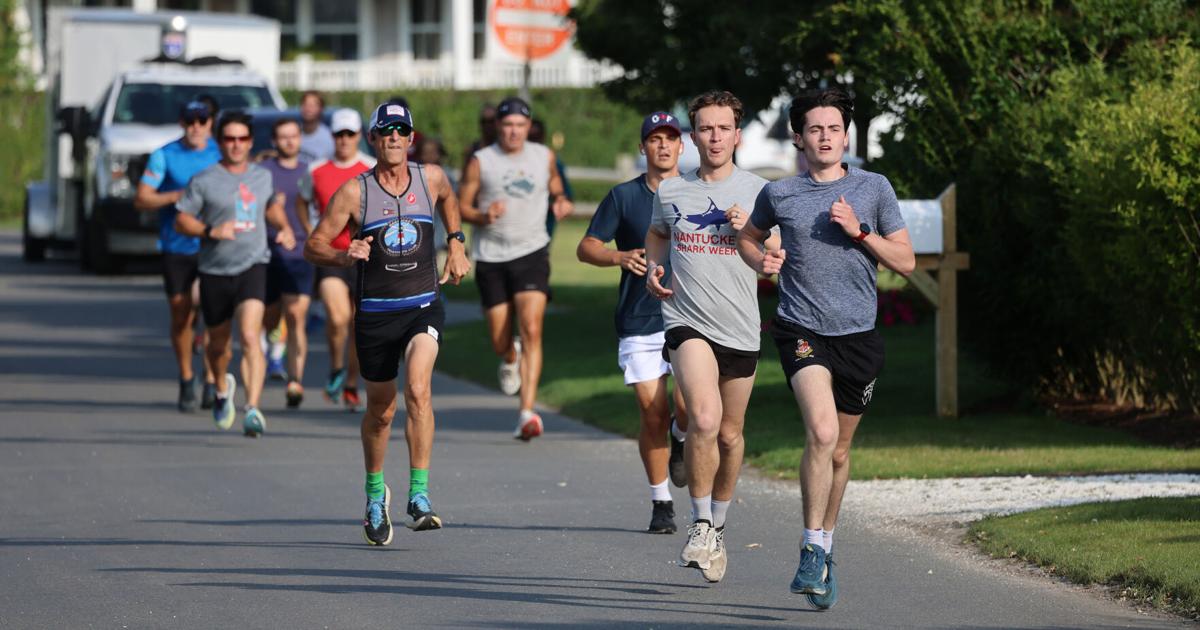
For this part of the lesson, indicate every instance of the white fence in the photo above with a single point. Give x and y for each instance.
(304, 74)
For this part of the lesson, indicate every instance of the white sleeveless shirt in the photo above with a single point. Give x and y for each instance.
(522, 181)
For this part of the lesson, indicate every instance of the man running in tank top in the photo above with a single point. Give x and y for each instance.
(399, 314)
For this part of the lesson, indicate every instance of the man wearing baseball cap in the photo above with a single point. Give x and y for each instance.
(624, 215)
(335, 284)
(505, 191)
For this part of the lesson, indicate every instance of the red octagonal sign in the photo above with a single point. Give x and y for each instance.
(531, 29)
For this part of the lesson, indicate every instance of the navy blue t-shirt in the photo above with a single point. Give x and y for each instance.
(624, 215)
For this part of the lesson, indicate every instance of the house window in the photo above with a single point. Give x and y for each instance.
(427, 29)
(479, 35)
(285, 12)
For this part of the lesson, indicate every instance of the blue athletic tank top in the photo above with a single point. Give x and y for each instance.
(401, 272)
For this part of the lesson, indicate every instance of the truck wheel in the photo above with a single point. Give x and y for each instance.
(32, 249)
(95, 254)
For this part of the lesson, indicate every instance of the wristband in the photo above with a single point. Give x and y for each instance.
(208, 232)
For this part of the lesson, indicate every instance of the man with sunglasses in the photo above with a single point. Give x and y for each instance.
(505, 191)
(228, 205)
(335, 285)
(168, 171)
(399, 314)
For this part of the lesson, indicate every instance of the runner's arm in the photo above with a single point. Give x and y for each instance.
(147, 197)
(342, 211)
(560, 203)
(302, 214)
(457, 264)
(277, 217)
(894, 251)
(468, 192)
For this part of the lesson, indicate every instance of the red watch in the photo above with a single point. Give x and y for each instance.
(864, 230)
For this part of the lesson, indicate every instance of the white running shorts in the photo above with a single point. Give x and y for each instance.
(640, 357)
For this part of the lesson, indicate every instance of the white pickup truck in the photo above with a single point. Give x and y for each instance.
(117, 82)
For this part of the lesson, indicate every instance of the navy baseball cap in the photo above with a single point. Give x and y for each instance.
(659, 120)
(513, 105)
(391, 113)
(193, 110)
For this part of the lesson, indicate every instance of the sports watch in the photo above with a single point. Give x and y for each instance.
(864, 231)
(456, 236)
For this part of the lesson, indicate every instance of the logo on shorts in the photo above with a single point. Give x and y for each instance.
(803, 349)
(868, 391)
(401, 237)
(432, 332)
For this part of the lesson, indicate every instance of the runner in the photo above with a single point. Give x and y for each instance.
(226, 204)
(335, 285)
(838, 223)
(167, 173)
(624, 215)
(400, 313)
(316, 143)
(505, 191)
(710, 312)
(289, 276)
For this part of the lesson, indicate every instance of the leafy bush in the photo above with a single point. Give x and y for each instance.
(22, 120)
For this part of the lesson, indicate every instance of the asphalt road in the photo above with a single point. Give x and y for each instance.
(118, 511)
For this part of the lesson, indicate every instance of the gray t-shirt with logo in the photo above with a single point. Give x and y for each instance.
(715, 293)
(522, 181)
(215, 196)
(828, 281)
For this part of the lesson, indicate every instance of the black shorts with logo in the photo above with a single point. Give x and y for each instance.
(499, 282)
(382, 338)
(731, 362)
(179, 272)
(854, 360)
(221, 295)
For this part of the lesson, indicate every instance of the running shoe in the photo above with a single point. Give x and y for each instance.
(826, 601)
(528, 427)
(255, 423)
(295, 394)
(697, 551)
(509, 374)
(276, 370)
(333, 387)
(422, 513)
(810, 575)
(350, 399)
(676, 467)
(223, 411)
(377, 524)
(187, 395)
(718, 560)
(208, 396)
(662, 518)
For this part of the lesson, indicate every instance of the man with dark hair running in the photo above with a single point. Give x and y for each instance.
(624, 215)
(228, 205)
(710, 312)
(399, 315)
(838, 224)
(167, 173)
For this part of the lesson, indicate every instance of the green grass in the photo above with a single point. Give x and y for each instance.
(900, 435)
(1149, 547)
(590, 190)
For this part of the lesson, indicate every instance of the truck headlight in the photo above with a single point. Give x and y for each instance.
(119, 184)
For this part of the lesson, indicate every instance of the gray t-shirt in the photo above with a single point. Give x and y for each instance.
(522, 181)
(714, 291)
(828, 281)
(215, 196)
(317, 145)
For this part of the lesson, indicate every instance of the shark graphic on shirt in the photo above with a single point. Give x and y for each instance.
(713, 217)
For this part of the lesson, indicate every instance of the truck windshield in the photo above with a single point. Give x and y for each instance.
(158, 104)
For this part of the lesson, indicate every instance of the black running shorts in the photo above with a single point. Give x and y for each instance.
(853, 360)
(179, 272)
(731, 363)
(221, 295)
(349, 275)
(499, 282)
(382, 338)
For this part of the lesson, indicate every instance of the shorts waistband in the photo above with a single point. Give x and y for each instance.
(788, 326)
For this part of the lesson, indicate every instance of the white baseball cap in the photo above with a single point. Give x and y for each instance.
(345, 120)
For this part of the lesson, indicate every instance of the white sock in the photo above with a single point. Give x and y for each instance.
(702, 508)
(814, 537)
(679, 435)
(277, 350)
(526, 414)
(827, 540)
(719, 510)
(660, 491)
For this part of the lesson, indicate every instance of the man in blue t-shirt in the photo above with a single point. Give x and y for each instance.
(838, 224)
(167, 173)
(624, 215)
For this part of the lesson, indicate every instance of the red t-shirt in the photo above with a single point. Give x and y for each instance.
(325, 177)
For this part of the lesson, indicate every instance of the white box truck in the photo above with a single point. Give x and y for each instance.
(116, 82)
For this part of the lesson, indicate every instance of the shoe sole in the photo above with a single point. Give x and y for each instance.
(693, 564)
(426, 523)
(809, 590)
(387, 505)
(665, 530)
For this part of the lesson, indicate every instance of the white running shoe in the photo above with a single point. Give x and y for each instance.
(509, 374)
(718, 560)
(528, 427)
(697, 551)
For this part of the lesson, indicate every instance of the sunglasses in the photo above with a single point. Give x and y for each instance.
(235, 139)
(345, 134)
(387, 131)
(195, 120)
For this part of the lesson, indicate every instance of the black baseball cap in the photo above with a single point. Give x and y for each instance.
(513, 105)
(194, 110)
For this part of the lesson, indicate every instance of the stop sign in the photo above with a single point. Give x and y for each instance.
(531, 29)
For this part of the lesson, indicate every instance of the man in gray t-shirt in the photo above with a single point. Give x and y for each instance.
(838, 223)
(228, 204)
(710, 314)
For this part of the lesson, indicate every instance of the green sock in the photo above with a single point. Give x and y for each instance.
(375, 485)
(418, 481)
